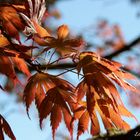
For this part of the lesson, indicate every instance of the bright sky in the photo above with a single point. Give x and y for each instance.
(78, 14)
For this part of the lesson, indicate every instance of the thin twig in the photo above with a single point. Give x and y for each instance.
(110, 56)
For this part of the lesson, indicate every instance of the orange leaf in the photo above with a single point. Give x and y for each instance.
(8, 69)
(40, 30)
(117, 120)
(62, 32)
(21, 65)
(45, 108)
(52, 96)
(95, 127)
(124, 112)
(101, 93)
(55, 113)
(55, 98)
(83, 123)
(68, 119)
(3, 41)
(78, 112)
(4, 127)
(34, 89)
(11, 21)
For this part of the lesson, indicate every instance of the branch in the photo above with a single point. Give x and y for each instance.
(110, 56)
(124, 48)
(133, 134)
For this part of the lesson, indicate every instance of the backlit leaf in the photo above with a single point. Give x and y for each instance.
(4, 127)
(62, 32)
(101, 94)
(55, 104)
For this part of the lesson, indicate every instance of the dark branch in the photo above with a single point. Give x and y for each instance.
(133, 134)
(125, 48)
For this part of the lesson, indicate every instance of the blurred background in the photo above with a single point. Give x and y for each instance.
(106, 26)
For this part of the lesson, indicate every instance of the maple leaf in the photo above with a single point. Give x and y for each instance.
(35, 10)
(34, 89)
(4, 127)
(11, 21)
(12, 49)
(21, 65)
(110, 69)
(3, 41)
(53, 96)
(7, 68)
(62, 44)
(101, 93)
(57, 102)
(3, 44)
(39, 84)
(84, 119)
(15, 51)
(40, 35)
(25, 16)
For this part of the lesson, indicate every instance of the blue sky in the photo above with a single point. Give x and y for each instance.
(78, 14)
